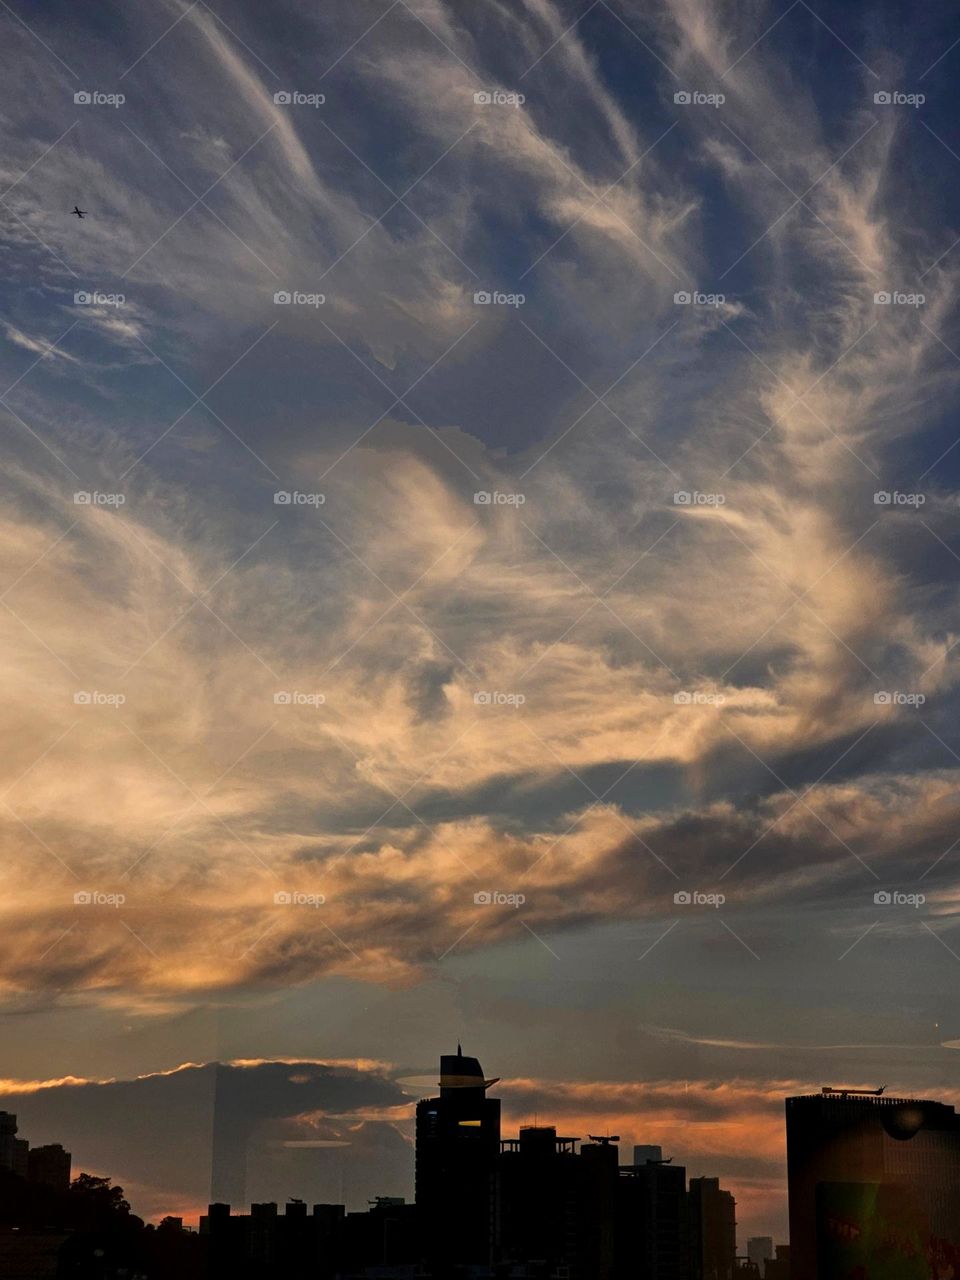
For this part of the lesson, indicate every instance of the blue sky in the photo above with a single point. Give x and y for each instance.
(699, 641)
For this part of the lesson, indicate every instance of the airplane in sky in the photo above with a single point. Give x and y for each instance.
(78, 212)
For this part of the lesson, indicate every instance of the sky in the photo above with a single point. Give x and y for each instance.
(479, 561)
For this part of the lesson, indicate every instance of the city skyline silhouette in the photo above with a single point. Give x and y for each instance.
(873, 1183)
(478, 566)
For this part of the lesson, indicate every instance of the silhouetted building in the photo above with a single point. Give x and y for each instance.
(538, 1199)
(13, 1150)
(533, 1206)
(21, 1157)
(872, 1178)
(8, 1139)
(49, 1165)
(713, 1230)
(384, 1237)
(651, 1223)
(778, 1267)
(458, 1144)
(641, 1154)
(759, 1249)
(267, 1245)
(600, 1160)
(556, 1206)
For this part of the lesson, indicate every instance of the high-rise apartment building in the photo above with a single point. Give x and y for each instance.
(49, 1165)
(713, 1230)
(870, 1174)
(457, 1148)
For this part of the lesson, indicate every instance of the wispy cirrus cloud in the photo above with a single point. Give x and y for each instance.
(701, 636)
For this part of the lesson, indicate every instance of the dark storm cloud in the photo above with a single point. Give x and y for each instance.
(158, 1133)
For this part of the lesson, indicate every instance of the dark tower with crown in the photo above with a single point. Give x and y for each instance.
(458, 1142)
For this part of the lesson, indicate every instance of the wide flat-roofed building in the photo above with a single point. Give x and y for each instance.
(865, 1169)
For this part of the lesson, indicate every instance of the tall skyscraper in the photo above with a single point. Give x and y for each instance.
(868, 1175)
(652, 1229)
(713, 1230)
(458, 1144)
